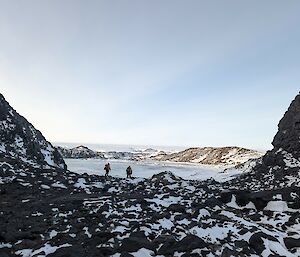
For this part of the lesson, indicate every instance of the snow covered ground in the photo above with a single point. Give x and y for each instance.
(147, 169)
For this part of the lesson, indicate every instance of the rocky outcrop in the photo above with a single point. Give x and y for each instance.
(19, 140)
(211, 155)
(79, 152)
(122, 155)
(83, 152)
(279, 167)
(288, 135)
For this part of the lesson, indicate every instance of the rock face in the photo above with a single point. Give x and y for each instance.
(211, 155)
(288, 135)
(279, 168)
(21, 141)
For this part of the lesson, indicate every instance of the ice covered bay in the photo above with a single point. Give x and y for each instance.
(146, 169)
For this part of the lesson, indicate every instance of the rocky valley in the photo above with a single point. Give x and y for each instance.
(46, 210)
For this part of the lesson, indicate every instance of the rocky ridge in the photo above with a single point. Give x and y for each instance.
(211, 155)
(83, 152)
(226, 156)
(79, 152)
(19, 140)
(280, 166)
(56, 213)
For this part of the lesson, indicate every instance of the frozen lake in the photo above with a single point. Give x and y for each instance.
(146, 169)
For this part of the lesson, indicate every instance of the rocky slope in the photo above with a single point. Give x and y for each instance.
(19, 140)
(211, 155)
(56, 213)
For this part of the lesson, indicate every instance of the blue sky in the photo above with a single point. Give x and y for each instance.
(188, 73)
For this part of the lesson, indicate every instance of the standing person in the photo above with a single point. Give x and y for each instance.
(107, 169)
(129, 172)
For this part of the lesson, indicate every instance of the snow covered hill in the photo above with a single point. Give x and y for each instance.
(79, 152)
(211, 155)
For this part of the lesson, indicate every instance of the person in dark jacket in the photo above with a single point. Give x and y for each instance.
(129, 172)
(107, 169)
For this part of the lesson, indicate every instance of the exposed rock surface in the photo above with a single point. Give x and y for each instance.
(211, 155)
(56, 213)
(83, 152)
(20, 140)
(79, 152)
(288, 135)
(279, 167)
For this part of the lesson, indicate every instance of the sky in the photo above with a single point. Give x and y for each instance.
(178, 73)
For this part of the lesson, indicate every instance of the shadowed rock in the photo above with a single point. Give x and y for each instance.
(288, 135)
(20, 140)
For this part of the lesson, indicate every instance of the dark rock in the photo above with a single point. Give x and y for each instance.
(259, 202)
(292, 242)
(102, 237)
(229, 252)
(134, 243)
(34, 145)
(4, 252)
(226, 196)
(168, 247)
(176, 208)
(288, 133)
(124, 254)
(256, 241)
(242, 198)
(104, 251)
(71, 251)
(190, 242)
(212, 202)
